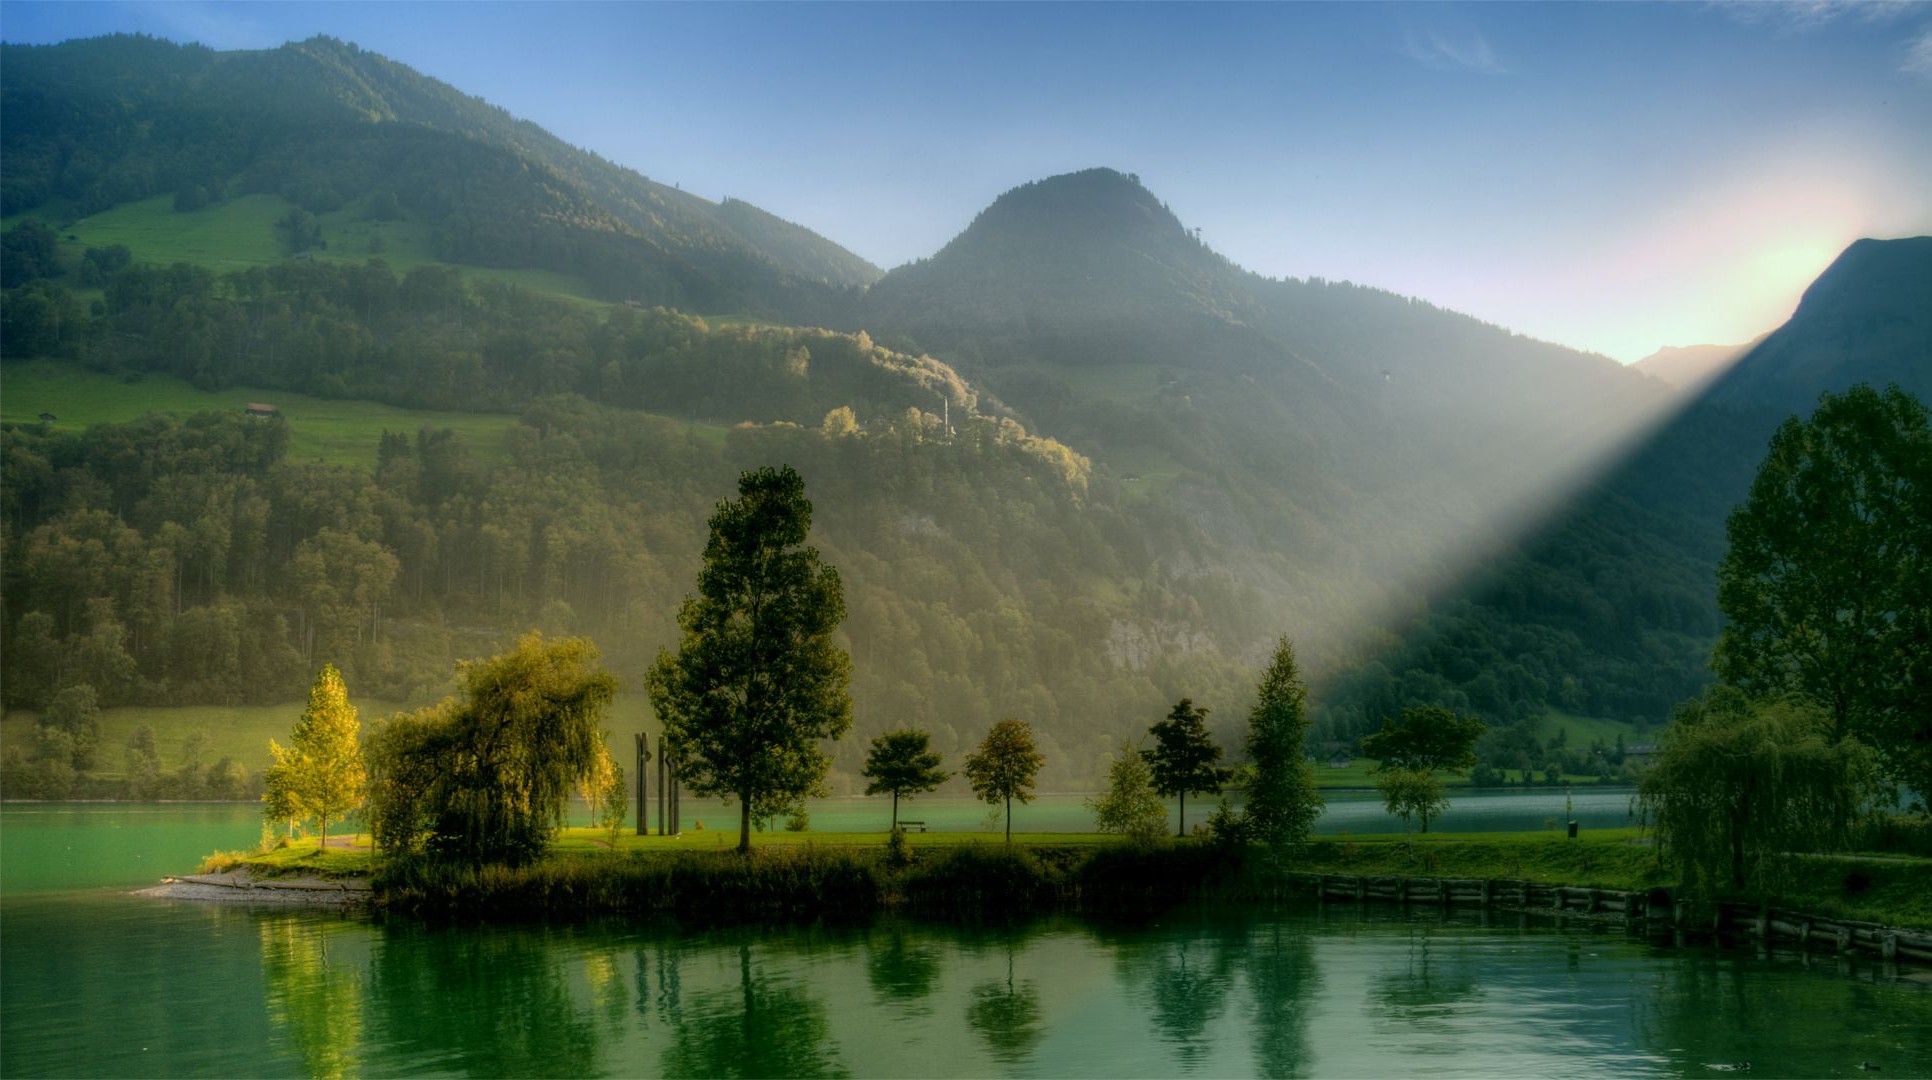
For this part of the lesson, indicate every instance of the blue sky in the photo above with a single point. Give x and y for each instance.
(1616, 177)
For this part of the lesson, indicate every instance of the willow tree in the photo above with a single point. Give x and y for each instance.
(1740, 782)
(757, 681)
(1282, 802)
(486, 777)
(320, 774)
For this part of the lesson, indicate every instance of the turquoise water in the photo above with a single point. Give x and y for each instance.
(1358, 812)
(94, 982)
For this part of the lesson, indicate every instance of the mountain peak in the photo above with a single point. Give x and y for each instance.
(1096, 204)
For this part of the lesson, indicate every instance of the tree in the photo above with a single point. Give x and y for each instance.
(1410, 750)
(529, 729)
(1184, 757)
(320, 774)
(604, 794)
(902, 762)
(1130, 806)
(1282, 801)
(1003, 767)
(1739, 782)
(1426, 738)
(1411, 794)
(76, 710)
(1826, 587)
(757, 680)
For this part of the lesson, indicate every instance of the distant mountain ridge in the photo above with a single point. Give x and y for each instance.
(110, 120)
(1690, 368)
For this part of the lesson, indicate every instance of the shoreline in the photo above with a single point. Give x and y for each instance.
(1618, 880)
(241, 886)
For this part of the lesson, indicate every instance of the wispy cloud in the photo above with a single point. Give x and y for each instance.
(1439, 51)
(1799, 16)
(1918, 55)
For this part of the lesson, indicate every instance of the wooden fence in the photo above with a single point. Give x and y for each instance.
(1654, 911)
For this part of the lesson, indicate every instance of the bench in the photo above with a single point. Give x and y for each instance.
(912, 826)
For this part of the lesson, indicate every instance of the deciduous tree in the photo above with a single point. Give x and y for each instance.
(1130, 806)
(1411, 794)
(757, 681)
(1826, 588)
(1003, 767)
(903, 763)
(320, 774)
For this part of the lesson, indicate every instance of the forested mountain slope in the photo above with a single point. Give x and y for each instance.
(1610, 609)
(96, 123)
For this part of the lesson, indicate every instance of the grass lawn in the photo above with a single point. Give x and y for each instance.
(240, 233)
(1582, 729)
(238, 731)
(337, 432)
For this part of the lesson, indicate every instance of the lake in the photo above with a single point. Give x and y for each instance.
(94, 982)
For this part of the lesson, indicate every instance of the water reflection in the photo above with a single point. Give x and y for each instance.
(1005, 1014)
(488, 1001)
(768, 1028)
(1434, 986)
(1222, 992)
(315, 993)
(1283, 984)
(902, 968)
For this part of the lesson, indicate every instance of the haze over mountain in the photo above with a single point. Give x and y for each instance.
(1087, 466)
(1690, 368)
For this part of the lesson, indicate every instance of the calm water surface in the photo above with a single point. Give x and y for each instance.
(94, 982)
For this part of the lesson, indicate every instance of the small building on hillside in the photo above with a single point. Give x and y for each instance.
(48, 418)
(1341, 760)
(260, 409)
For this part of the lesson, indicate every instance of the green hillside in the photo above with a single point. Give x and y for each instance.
(325, 431)
(331, 129)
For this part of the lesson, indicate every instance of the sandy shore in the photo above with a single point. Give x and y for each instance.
(241, 887)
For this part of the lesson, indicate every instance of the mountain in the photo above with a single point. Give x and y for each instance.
(1691, 368)
(1868, 318)
(1371, 442)
(331, 128)
(1610, 608)
(1076, 466)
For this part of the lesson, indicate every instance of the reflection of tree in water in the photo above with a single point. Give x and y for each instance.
(899, 970)
(314, 1000)
(1007, 1015)
(494, 1002)
(773, 1031)
(1183, 980)
(667, 961)
(1283, 983)
(1428, 990)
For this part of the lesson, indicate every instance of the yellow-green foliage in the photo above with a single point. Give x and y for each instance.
(320, 775)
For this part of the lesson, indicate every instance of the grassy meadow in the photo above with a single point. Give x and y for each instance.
(336, 432)
(240, 233)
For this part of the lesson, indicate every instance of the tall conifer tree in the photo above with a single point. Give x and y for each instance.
(1282, 802)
